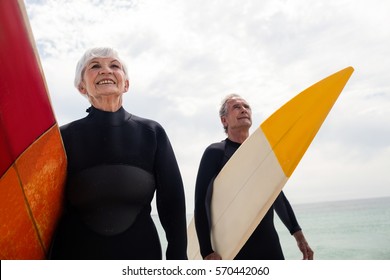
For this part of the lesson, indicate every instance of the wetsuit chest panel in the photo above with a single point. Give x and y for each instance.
(92, 145)
(108, 198)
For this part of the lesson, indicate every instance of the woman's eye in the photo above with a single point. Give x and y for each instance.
(95, 66)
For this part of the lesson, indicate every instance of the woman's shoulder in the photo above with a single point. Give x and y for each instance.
(146, 123)
(71, 125)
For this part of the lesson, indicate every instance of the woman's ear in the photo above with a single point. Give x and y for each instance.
(82, 88)
(127, 85)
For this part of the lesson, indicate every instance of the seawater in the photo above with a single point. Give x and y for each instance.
(342, 230)
(338, 230)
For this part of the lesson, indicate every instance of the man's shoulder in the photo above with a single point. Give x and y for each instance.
(218, 147)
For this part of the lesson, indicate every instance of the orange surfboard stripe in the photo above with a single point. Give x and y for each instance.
(18, 235)
(31, 198)
(42, 170)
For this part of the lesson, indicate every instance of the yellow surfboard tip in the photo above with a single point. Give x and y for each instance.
(291, 129)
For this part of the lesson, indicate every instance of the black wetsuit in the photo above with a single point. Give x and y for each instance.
(264, 242)
(116, 162)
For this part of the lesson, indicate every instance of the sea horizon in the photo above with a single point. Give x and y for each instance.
(355, 229)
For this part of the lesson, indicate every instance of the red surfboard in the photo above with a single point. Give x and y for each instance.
(32, 157)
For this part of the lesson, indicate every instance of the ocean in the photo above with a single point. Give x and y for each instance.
(338, 230)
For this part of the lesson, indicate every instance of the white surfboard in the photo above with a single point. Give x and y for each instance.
(251, 180)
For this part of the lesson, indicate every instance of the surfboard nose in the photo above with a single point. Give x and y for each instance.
(291, 129)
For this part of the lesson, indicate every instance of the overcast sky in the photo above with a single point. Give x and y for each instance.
(185, 56)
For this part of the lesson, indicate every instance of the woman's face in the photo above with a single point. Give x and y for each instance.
(104, 77)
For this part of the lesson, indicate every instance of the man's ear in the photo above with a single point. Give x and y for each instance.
(223, 121)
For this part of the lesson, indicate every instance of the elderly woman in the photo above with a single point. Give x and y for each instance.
(116, 162)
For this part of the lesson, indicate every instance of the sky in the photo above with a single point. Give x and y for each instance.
(185, 56)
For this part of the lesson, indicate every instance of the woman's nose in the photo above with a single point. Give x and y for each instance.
(105, 69)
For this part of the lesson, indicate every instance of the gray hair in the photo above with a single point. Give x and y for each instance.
(91, 54)
(223, 108)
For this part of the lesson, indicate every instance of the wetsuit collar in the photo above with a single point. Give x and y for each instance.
(232, 143)
(107, 118)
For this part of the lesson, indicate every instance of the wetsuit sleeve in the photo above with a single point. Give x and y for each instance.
(170, 199)
(286, 214)
(209, 167)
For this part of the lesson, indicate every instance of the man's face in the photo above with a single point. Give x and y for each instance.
(239, 115)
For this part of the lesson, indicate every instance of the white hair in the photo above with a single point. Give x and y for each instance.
(91, 54)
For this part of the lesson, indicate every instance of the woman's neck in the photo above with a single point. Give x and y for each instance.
(107, 104)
